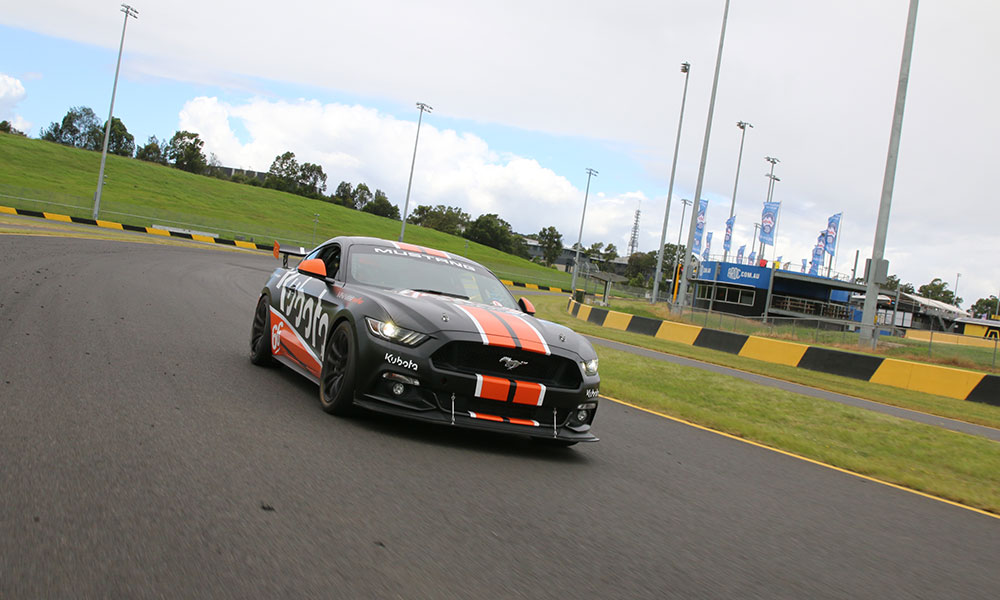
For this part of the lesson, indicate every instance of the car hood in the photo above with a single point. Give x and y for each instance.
(495, 325)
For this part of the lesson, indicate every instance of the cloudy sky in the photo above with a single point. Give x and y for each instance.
(528, 94)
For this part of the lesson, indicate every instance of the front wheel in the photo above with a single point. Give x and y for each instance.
(336, 381)
(260, 334)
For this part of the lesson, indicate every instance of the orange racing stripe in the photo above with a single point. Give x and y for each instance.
(529, 337)
(490, 327)
(526, 392)
(492, 388)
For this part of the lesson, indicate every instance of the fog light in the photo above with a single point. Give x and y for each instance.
(398, 388)
(581, 416)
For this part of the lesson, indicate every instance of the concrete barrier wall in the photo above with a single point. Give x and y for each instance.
(920, 377)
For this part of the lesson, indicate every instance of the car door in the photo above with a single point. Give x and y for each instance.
(320, 299)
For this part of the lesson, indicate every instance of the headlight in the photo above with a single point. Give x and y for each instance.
(589, 367)
(387, 330)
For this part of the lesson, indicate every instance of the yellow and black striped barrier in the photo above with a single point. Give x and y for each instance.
(136, 228)
(198, 238)
(533, 286)
(920, 377)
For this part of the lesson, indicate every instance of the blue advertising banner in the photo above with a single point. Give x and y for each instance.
(757, 277)
(739, 253)
(727, 243)
(768, 220)
(803, 265)
(753, 257)
(708, 245)
(699, 226)
(832, 231)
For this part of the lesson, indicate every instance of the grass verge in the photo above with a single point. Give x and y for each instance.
(943, 463)
(41, 175)
(553, 308)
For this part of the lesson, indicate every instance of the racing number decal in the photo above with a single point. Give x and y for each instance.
(276, 337)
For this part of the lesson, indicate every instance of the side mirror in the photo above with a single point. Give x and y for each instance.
(314, 267)
(526, 305)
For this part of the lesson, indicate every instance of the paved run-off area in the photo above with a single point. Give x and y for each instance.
(142, 455)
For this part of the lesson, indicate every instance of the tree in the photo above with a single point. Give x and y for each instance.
(311, 180)
(79, 128)
(344, 195)
(284, 173)
(6, 127)
(594, 252)
(449, 219)
(381, 206)
(985, 306)
(937, 289)
(185, 152)
(610, 252)
(550, 240)
(154, 151)
(362, 196)
(640, 265)
(892, 283)
(120, 141)
(490, 230)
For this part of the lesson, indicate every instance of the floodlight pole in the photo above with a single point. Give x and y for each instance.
(129, 12)
(406, 206)
(679, 306)
(677, 253)
(868, 332)
(686, 69)
(957, 277)
(732, 205)
(579, 239)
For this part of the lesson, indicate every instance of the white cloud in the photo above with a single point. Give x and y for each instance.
(360, 144)
(11, 93)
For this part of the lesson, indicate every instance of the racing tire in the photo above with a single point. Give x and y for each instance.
(260, 334)
(336, 380)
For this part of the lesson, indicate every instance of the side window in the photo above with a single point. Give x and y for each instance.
(331, 256)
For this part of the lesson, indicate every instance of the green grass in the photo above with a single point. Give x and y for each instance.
(951, 465)
(553, 308)
(64, 180)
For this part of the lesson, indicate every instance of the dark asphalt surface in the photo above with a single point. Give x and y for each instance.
(142, 455)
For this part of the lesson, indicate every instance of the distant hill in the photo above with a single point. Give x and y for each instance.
(46, 176)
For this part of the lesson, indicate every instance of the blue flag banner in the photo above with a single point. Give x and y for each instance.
(818, 254)
(727, 243)
(768, 220)
(832, 231)
(739, 253)
(803, 265)
(699, 227)
(708, 245)
(753, 257)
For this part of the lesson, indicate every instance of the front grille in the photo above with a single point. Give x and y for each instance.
(466, 404)
(473, 358)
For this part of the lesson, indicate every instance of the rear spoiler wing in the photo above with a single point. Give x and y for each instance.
(286, 252)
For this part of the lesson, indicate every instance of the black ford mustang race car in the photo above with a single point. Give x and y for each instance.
(425, 334)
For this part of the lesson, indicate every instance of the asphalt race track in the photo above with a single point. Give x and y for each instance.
(142, 455)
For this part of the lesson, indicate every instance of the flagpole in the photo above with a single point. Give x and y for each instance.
(836, 247)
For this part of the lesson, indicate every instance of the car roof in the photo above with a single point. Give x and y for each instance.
(348, 240)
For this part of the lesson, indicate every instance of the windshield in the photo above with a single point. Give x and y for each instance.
(426, 272)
